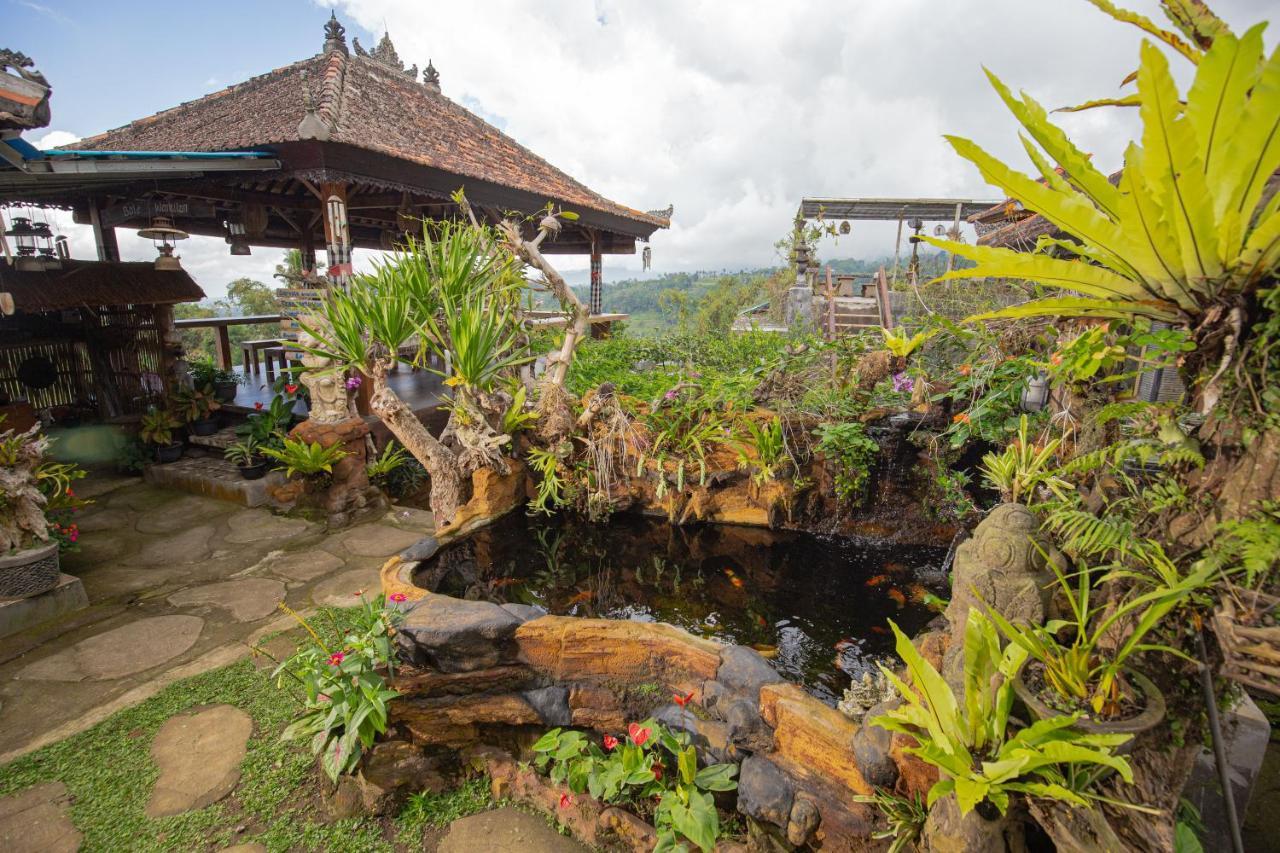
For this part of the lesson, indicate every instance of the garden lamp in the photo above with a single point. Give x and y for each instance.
(237, 238)
(165, 238)
(1036, 393)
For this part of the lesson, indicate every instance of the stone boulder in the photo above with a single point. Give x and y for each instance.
(872, 748)
(391, 771)
(764, 791)
(744, 671)
(457, 636)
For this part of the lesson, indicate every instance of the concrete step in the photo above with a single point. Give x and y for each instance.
(213, 477)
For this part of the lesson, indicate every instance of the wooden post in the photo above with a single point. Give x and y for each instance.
(307, 248)
(886, 302)
(222, 346)
(597, 280)
(954, 235)
(897, 251)
(831, 307)
(104, 238)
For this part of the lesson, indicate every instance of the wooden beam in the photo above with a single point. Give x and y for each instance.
(104, 238)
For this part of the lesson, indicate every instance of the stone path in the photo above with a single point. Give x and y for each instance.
(199, 758)
(178, 584)
(505, 829)
(36, 821)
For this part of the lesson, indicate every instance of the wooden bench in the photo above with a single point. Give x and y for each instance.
(251, 349)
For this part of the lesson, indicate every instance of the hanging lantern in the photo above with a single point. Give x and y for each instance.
(1036, 393)
(165, 238)
(33, 244)
(237, 238)
(24, 237)
(646, 257)
(845, 227)
(254, 218)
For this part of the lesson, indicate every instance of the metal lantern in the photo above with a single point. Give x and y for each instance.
(24, 237)
(165, 238)
(1036, 393)
(33, 244)
(237, 238)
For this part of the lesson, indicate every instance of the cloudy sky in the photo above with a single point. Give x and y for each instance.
(732, 110)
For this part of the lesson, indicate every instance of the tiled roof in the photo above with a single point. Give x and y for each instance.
(367, 105)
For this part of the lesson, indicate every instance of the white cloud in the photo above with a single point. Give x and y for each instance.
(734, 111)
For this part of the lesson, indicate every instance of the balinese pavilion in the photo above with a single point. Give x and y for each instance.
(345, 149)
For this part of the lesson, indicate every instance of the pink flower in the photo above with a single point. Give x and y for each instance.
(610, 742)
(397, 597)
(337, 658)
(353, 383)
(565, 801)
(670, 395)
(903, 382)
(638, 735)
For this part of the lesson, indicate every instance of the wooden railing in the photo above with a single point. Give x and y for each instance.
(221, 337)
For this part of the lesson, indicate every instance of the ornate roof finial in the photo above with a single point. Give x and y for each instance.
(335, 35)
(385, 53)
(431, 78)
(311, 126)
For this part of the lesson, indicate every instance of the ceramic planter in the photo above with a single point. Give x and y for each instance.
(29, 572)
(224, 392)
(1151, 715)
(204, 426)
(256, 471)
(169, 453)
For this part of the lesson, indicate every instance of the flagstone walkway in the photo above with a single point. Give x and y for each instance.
(177, 585)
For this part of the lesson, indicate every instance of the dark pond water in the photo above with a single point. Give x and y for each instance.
(815, 606)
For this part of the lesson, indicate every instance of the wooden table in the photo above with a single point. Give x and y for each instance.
(251, 348)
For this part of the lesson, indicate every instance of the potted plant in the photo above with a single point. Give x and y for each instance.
(157, 430)
(247, 457)
(32, 487)
(223, 381)
(308, 459)
(1079, 675)
(197, 405)
(984, 759)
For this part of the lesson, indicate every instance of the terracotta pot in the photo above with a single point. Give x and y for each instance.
(1151, 715)
(169, 453)
(29, 572)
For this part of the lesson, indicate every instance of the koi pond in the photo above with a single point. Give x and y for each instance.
(814, 606)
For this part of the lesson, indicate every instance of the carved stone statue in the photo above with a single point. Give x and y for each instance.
(328, 390)
(1001, 566)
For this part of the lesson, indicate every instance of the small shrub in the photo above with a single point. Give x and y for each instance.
(850, 451)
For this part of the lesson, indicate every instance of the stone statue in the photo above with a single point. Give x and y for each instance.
(1002, 567)
(328, 390)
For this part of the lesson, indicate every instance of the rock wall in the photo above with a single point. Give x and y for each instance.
(483, 674)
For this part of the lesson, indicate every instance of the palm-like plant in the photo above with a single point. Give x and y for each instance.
(1185, 235)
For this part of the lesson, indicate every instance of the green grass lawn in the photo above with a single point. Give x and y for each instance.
(109, 772)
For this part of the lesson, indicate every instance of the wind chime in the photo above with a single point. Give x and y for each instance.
(646, 257)
(339, 246)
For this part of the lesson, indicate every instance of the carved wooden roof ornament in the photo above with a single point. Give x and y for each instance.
(431, 78)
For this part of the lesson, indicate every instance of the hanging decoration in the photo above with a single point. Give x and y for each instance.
(164, 236)
(646, 257)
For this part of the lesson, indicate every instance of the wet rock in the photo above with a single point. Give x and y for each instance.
(811, 738)
(455, 635)
(199, 758)
(551, 703)
(742, 670)
(872, 746)
(713, 695)
(710, 737)
(765, 792)
(746, 729)
(803, 822)
(423, 549)
(391, 771)
(597, 707)
(524, 612)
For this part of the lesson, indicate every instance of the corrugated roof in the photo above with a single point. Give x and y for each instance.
(368, 105)
(81, 284)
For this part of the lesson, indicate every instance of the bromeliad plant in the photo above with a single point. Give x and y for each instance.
(648, 761)
(345, 693)
(973, 740)
(1186, 235)
(767, 446)
(1023, 466)
(36, 498)
(295, 456)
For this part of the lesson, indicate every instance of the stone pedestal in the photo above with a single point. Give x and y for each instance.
(349, 494)
(19, 614)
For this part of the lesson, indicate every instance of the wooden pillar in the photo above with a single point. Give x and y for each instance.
(337, 232)
(954, 235)
(104, 238)
(897, 251)
(597, 276)
(307, 249)
(222, 346)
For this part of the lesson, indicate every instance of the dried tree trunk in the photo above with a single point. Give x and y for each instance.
(441, 462)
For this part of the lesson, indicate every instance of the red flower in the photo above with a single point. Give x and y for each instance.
(962, 418)
(638, 735)
(291, 389)
(610, 741)
(1056, 359)
(682, 700)
(258, 405)
(358, 593)
(397, 597)
(657, 770)
(337, 658)
(565, 801)
(965, 370)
